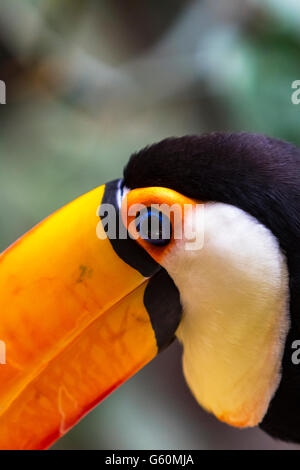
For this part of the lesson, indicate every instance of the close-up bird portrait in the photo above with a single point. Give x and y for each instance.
(150, 227)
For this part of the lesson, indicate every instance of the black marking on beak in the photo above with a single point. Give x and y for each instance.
(162, 301)
(127, 249)
(161, 297)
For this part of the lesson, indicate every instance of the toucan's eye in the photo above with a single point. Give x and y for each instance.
(154, 226)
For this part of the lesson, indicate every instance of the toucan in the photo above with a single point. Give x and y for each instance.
(98, 289)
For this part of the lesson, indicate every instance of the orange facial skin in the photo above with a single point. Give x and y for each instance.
(165, 198)
(73, 322)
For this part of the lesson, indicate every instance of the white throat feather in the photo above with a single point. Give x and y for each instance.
(234, 293)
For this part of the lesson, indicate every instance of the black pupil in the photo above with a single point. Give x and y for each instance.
(154, 226)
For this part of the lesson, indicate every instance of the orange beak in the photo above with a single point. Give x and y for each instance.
(73, 325)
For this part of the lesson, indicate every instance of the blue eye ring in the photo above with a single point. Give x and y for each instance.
(154, 226)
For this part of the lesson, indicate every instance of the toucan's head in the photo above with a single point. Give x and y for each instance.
(199, 241)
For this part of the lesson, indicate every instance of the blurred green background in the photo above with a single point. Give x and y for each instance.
(88, 83)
